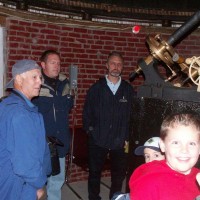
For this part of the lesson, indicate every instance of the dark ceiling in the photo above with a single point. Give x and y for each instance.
(170, 10)
(184, 5)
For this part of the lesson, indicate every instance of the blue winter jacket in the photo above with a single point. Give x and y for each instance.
(55, 107)
(24, 154)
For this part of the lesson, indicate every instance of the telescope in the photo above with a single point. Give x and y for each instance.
(161, 93)
(184, 72)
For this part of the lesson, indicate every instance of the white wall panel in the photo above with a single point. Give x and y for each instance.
(2, 61)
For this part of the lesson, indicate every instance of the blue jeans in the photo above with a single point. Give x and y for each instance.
(55, 183)
(97, 157)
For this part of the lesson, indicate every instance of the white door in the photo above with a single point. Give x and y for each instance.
(2, 61)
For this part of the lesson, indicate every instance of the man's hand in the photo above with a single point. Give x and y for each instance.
(198, 178)
(126, 146)
(41, 194)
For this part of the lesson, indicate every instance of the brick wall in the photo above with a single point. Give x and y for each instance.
(86, 46)
(78, 174)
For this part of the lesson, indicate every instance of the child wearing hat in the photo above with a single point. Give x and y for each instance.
(150, 150)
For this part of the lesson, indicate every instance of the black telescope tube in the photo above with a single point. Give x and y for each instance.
(132, 76)
(189, 26)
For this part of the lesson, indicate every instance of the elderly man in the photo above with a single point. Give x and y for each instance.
(24, 154)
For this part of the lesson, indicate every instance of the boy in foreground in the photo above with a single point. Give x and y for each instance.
(175, 177)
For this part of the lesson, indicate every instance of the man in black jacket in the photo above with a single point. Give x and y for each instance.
(106, 117)
(55, 103)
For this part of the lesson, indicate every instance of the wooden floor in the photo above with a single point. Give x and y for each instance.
(78, 190)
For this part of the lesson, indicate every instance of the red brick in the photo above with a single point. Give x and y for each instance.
(52, 26)
(24, 23)
(126, 34)
(12, 32)
(98, 32)
(13, 45)
(80, 30)
(53, 42)
(86, 36)
(23, 34)
(74, 45)
(96, 47)
(106, 37)
(16, 39)
(47, 31)
(32, 29)
(75, 35)
(12, 21)
(65, 28)
(114, 33)
(52, 37)
(40, 25)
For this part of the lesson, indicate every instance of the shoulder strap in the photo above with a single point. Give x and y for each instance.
(2, 98)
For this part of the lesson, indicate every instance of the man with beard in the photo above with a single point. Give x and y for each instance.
(106, 117)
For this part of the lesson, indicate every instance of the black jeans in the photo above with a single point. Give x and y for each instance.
(97, 157)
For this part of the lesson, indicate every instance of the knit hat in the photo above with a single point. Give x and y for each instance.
(152, 143)
(20, 67)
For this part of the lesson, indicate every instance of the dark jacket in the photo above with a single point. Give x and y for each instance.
(24, 154)
(106, 116)
(55, 107)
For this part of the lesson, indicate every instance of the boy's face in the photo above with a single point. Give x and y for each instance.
(150, 155)
(182, 148)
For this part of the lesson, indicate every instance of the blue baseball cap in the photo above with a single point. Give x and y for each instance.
(20, 67)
